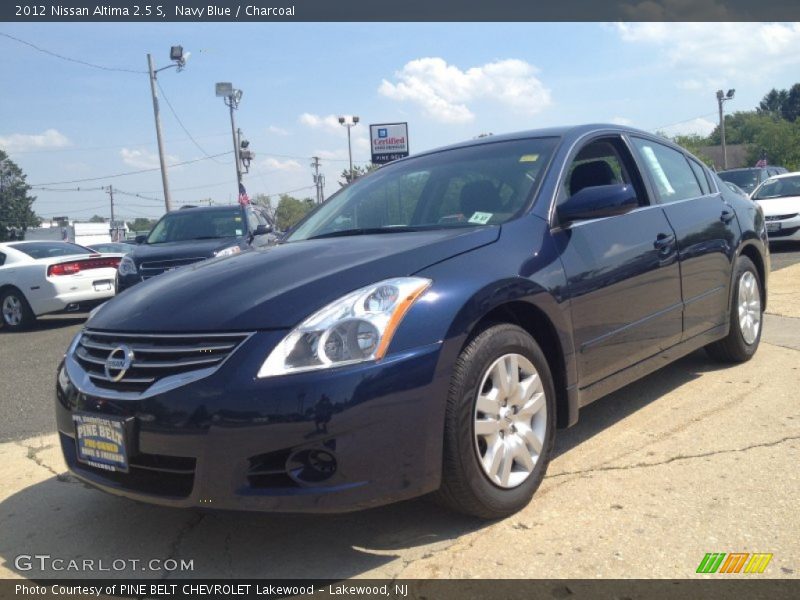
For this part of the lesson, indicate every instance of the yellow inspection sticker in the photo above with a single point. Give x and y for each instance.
(529, 158)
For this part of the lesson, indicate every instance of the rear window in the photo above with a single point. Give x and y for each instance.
(49, 249)
(184, 225)
(747, 179)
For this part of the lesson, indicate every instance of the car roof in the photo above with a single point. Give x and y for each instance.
(567, 133)
(785, 175)
(214, 208)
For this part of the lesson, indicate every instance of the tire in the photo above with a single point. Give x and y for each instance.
(470, 482)
(15, 312)
(742, 342)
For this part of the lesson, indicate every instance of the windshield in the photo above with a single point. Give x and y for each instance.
(181, 226)
(50, 249)
(475, 186)
(746, 179)
(778, 188)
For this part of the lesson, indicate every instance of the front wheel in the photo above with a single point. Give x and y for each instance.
(499, 426)
(746, 317)
(16, 313)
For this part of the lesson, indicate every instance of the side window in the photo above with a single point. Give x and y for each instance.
(252, 221)
(700, 173)
(2, 259)
(602, 162)
(669, 170)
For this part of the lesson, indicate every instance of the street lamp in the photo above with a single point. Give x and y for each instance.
(232, 97)
(349, 122)
(723, 97)
(178, 58)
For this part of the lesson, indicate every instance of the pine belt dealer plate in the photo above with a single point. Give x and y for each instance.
(102, 441)
(772, 227)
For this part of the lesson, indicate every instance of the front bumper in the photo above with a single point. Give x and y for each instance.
(787, 230)
(346, 439)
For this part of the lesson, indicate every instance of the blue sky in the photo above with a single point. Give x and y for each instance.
(63, 121)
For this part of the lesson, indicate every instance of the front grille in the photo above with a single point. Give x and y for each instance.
(156, 267)
(780, 217)
(152, 356)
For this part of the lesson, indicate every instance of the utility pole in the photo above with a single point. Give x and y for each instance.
(721, 99)
(232, 97)
(161, 158)
(349, 124)
(110, 192)
(317, 178)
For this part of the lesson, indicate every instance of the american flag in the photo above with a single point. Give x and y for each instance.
(243, 197)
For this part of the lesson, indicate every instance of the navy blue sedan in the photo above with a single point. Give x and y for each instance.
(425, 330)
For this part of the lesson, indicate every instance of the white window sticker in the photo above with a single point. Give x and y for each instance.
(238, 232)
(480, 218)
(658, 171)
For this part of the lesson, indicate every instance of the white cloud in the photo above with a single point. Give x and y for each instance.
(20, 142)
(699, 126)
(329, 123)
(331, 154)
(711, 55)
(273, 164)
(142, 159)
(444, 91)
(622, 121)
(275, 130)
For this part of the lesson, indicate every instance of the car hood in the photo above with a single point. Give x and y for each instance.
(176, 250)
(790, 205)
(278, 287)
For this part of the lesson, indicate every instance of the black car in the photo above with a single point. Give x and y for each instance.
(192, 234)
(748, 179)
(426, 329)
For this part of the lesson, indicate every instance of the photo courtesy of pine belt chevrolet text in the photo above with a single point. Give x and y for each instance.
(426, 330)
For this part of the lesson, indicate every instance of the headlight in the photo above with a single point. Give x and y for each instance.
(127, 266)
(356, 328)
(228, 251)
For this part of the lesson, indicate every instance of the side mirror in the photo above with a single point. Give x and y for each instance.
(140, 239)
(597, 202)
(262, 230)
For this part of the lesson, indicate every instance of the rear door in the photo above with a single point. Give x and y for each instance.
(622, 273)
(706, 230)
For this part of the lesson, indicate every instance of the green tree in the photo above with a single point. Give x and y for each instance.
(790, 110)
(772, 103)
(141, 224)
(358, 171)
(290, 210)
(694, 144)
(780, 141)
(97, 219)
(16, 205)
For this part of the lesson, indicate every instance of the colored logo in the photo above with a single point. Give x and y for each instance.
(735, 562)
(383, 132)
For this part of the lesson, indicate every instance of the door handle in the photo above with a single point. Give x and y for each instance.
(726, 216)
(664, 242)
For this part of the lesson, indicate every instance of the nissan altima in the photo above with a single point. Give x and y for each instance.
(426, 330)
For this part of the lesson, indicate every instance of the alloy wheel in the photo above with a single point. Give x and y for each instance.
(12, 310)
(749, 307)
(510, 420)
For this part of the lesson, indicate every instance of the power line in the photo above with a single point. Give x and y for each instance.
(90, 148)
(68, 58)
(682, 122)
(178, 164)
(178, 119)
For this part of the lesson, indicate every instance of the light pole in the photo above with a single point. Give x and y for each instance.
(352, 122)
(231, 96)
(721, 99)
(177, 56)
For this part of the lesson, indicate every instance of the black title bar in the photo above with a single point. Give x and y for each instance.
(397, 10)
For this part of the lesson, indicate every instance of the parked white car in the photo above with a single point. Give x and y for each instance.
(39, 278)
(779, 196)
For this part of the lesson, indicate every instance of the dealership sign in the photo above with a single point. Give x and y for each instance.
(389, 142)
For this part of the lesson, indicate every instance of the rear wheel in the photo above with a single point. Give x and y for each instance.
(746, 317)
(500, 422)
(16, 312)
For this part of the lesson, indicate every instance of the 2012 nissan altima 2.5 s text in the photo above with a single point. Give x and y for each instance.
(425, 330)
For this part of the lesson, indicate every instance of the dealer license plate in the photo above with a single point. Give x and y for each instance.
(101, 441)
(773, 227)
(103, 285)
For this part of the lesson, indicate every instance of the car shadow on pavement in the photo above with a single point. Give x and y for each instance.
(615, 407)
(64, 518)
(50, 322)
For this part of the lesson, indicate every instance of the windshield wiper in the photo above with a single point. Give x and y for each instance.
(363, 231)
